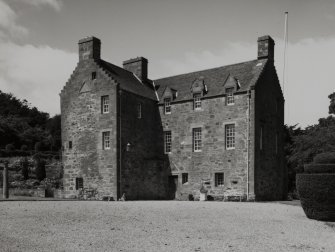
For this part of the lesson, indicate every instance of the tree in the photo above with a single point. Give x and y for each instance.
(332, 103)
(40, 168)
(25, 168)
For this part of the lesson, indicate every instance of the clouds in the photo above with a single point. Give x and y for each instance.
(8, 24)
(309, 76)
(35, 73)
(55, 4)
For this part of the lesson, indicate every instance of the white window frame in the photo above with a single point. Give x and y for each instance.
(167, 141)
(167, 106)
(197, 139)
(105, 104)
(219, 182)
(106, 140)
(230, 136)
(197, 101)
(139, 110)
(230, 100)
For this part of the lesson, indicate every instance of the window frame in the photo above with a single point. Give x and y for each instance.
(230, 99)
(104, 104)
(167, 105)
(197, 139)
(184, 178)
(197, 103)
(230, 136)
(219, 182)
(106, 143)
(167, 142)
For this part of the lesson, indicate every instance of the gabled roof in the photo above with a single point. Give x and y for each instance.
(128, 81)
(246, 73)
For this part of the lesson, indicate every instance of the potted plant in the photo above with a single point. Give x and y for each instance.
(316, 187)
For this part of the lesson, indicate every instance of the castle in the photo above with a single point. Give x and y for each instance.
(219, 130)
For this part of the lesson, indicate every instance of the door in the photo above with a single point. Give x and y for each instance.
(173, 187)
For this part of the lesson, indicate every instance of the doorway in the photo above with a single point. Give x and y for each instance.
(173, 186)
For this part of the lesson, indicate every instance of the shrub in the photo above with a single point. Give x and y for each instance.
(10, 147)
(25, 168)
(38, 146)
(40, 169)
(319, 168)
(24, 147)
(325, 158)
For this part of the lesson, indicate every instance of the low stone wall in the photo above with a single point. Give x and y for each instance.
(40, 192)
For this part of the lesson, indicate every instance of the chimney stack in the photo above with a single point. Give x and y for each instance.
(138, 66)
(89, 48)
(266, 47)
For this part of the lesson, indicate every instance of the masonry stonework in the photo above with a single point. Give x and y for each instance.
(137, 164)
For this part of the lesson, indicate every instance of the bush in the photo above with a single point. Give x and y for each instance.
(319, 168)
(40, 169)
(24, 147)
(38, 146)
(10, 147)
(25, 168)
(325, 158)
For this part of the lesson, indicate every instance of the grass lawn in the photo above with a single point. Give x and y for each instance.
(160, 226)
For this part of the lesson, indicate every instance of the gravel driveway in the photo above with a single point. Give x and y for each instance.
(159, 226)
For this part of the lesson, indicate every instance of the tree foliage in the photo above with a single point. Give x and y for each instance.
(23, 125)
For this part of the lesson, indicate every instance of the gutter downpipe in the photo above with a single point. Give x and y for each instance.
(248, 141)
(120, 144)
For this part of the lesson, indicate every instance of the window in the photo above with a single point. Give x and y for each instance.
(167, 141)
(94, 75)
(197, 101)
(79, 183)
(167, 105)
(230, 136)
(139, 110)
(106, 140)
(70, 145)
(230, 96)
(105, 104)
(184, 178)
(197, 139)
(219, 179)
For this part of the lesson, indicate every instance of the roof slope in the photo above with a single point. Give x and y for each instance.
(247, 74)
(128, 80)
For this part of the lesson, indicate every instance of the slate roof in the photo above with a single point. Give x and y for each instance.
(128, 81)
(247, 74)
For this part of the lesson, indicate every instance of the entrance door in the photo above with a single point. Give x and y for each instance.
(173, 186)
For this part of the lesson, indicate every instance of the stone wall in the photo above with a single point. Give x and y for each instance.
(83, 124)
(270, 169)
(214, 157)
(144, 175)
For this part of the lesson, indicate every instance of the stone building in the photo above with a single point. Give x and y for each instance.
(219, 129)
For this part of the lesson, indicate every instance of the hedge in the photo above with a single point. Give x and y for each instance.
(319, 168)
(317, 195)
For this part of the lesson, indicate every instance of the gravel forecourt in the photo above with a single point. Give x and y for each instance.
(160, 226)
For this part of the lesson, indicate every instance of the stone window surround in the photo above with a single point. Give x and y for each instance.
(197, 139)
(167, 105)
(106, 143)
(94, 75)
(230, 144)
(184, 178)
(105, 104)
(167, 141)
(219, 179)
(79, 183)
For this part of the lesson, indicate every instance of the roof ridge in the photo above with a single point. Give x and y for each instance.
(248, 61)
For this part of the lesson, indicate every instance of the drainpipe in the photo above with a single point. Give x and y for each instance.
(248, 141)
(120, 144)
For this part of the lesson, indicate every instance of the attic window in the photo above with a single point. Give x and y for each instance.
(94, 75)
(230, 96)
(167, 106)
(197, 101)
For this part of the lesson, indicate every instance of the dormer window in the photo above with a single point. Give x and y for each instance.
(167, 106)
(230, 96)
(197, 101)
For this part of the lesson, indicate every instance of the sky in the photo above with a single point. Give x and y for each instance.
(39, 43)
